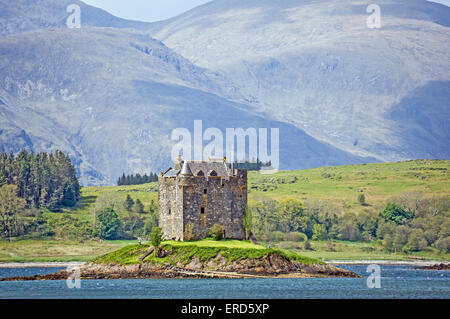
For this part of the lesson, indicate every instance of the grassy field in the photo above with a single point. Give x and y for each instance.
(339, 185)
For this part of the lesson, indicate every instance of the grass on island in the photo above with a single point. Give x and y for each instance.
(204, 250)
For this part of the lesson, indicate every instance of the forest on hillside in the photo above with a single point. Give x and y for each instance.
(31, 181)
(409, 223)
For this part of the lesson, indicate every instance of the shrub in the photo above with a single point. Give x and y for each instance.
(276, 236)
(109, 224)
(156, 237)
(295, 236)
(362, 199)
(216, 232)
(307, 245)
(319, 232)
(416, 241)
(443, 244)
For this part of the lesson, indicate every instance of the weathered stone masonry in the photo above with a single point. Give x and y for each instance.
(202, 194)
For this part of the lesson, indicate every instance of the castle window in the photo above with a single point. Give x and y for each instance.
(205, 191)
(200, 173)
(202, 210)
(213, 173)
(170, 211)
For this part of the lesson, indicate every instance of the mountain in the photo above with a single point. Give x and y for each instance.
(316, 65)
(111, 96)
(18, 16)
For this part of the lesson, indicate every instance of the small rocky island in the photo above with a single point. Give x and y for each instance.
(186, 260)
(442, 266)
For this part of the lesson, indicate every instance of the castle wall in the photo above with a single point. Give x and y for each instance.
(223, 203)
(170, 208)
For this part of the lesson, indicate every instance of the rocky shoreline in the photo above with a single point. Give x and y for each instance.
(273, 266)
(442, 266)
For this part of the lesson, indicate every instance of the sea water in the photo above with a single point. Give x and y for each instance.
(397, 281)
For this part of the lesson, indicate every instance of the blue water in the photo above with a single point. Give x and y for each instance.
(396, 282)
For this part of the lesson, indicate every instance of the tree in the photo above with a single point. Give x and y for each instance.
(397, 214)
(138, 207)
(11, 207)
(109, 224)
(156, 238)
(362, 199)
(319, 232)
(400, 237)
(129, 203)
(443, 244)
(416, 241)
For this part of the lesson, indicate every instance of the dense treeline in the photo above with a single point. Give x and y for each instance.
(42, 180)
(251, 166)
(410, 223)
(137, 179)
(112, 219)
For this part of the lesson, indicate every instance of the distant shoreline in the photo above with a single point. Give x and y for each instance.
(41, 264)
(387, 262)
(332, 262)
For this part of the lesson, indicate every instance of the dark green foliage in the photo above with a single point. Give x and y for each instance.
(138, 207)
(109, 224)
(396, 214)
(43, 180)
(129, 203)
(251, 166)
(137, 179)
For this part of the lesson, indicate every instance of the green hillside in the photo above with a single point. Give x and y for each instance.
(328, 190)
(339, 185)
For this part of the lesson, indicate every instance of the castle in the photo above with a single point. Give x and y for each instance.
(195, 195)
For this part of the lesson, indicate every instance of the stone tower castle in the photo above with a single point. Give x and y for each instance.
(199, 194)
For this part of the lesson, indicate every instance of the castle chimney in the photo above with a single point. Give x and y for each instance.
(186, 170)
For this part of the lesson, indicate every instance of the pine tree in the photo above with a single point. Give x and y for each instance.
(139, 207)
(129, 203)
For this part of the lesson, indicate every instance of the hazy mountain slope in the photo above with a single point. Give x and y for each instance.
(26, 15)
(315, 64)
(112, 97)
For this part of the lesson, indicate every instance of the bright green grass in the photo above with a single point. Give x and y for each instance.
(206, 250)
(341, 185)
